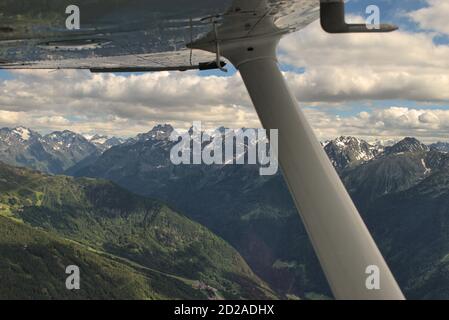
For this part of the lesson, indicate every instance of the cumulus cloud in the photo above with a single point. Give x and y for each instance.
(117, 104)
(433, 17)
(429, 125)
(340, 68)
(10, 118)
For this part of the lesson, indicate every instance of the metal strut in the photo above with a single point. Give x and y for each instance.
(217, 48)
(347, 253)
(338, 234)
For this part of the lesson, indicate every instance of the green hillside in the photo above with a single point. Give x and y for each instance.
(124, 232)
(33, 262)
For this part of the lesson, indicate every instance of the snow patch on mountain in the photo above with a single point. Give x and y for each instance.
(426, 169)
(344, 151)
(22, 132)
(159, 132)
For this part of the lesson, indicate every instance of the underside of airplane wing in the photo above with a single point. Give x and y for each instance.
(132, 34)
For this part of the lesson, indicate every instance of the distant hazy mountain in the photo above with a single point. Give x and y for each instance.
(104, 143)
(440, 146)
(127, 246)
(52, 153)
(399, 168)
(158, 133)
(69, 147)
(21, 146)
(347, 151)
(391, 173)
(407, 145)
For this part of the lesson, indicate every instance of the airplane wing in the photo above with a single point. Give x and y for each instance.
(152, 35)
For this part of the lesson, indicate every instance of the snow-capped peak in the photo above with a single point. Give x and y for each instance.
(103, 142)
(159, 132)
(98, 139)
(343, 151)
(22, 132)
(407, 145)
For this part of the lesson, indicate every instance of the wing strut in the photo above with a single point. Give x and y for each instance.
(340, 238)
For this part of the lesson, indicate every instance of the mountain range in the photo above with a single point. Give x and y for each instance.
(256, 214)
(399, 188)
(52, 153)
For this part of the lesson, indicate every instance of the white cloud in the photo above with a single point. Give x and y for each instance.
(340, 68)
(115, 104)
(395, 122)
(433, 17)
(10, 118)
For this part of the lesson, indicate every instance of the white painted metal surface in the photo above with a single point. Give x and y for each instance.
(339, 236)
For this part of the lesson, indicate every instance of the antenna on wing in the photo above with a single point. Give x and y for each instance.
(214, 19)
(332, 14)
